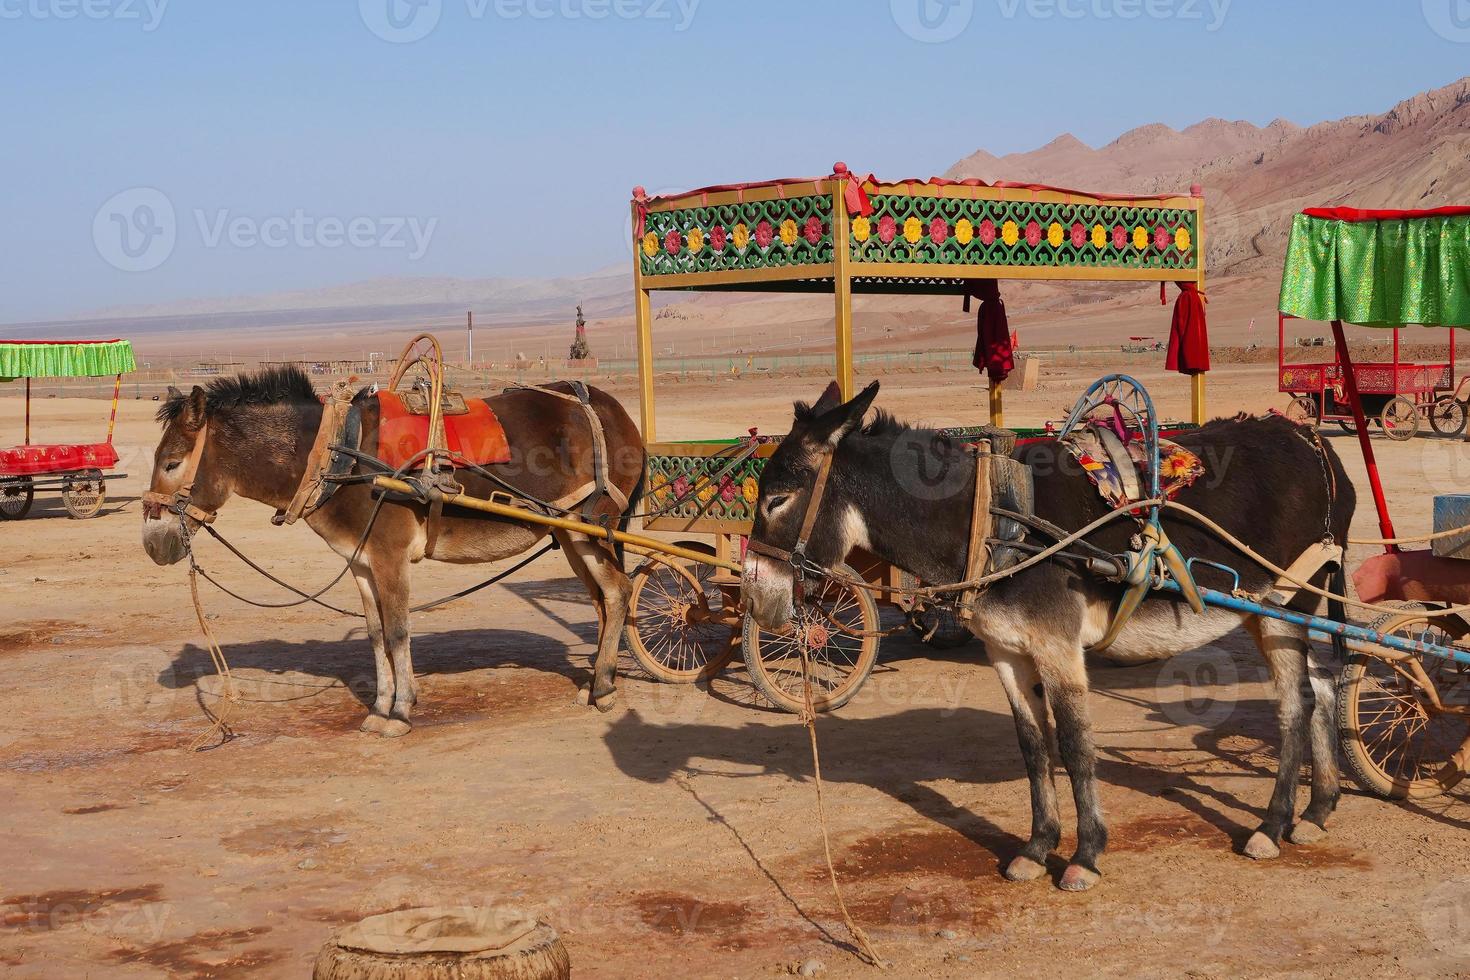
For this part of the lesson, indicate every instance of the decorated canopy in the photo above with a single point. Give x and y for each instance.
(65, 358)
(1379, 268)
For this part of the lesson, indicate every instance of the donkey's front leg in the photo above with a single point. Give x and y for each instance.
(1064, 674)
(383, 690)
(1023, 689)
(600, 571)
(1286, 654)
(391, 575)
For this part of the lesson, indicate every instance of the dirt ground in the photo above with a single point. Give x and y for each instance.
(675, 835)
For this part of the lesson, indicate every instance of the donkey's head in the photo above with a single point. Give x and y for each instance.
(795, 522)
(183, 461)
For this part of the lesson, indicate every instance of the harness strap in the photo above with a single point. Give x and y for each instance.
(313, 488)
(154, 504)
(981, 519)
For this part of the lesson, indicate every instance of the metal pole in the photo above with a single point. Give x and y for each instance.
(28, 411)
(1350, 386)
(470, 333)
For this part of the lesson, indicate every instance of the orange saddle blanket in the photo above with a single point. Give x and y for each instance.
(476, 436)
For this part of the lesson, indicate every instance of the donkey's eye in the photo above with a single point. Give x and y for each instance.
(173, 466)
(777, 502)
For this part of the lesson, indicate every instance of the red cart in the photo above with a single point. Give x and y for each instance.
(1397, 394)
(79, 471)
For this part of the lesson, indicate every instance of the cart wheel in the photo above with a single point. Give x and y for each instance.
(16, 495)
(84, 497)
(669, 627)
(1400, 420)
(1348, 426)
(825, 624)
(1303, 410)
(1397, 743)
(1447, 416)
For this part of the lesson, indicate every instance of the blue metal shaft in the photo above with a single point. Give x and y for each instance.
(1324, 628)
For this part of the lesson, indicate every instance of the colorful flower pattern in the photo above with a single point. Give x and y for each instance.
(964, 231)
(696, 240)
(913, 230)
(862, 228)
(939, 231)
(673, 241)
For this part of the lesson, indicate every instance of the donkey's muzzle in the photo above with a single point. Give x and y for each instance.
(163, 540)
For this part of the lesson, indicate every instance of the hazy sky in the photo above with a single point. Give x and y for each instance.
(153, 150)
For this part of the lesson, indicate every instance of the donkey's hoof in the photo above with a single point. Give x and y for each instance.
(1261, 847)
(1078, 879)
(1306, 832)
(373, 724)
(607, 702)
(395, 728)
(1023, 868)
(584, 696)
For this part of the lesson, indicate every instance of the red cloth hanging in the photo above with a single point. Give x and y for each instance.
(1189, 336)
(993, 353)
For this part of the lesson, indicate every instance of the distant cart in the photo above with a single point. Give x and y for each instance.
(79, 471)
(1399, 395)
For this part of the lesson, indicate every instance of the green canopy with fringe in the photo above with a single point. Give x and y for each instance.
(1379, 268)
(65, 358)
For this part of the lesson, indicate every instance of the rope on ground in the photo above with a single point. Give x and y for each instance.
(809, 719)
(219, 718)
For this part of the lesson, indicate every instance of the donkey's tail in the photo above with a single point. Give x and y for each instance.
(634, 499)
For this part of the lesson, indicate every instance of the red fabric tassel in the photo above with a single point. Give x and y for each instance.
(854, 194)
(993, 352)
(640, 201)
(1189, 336)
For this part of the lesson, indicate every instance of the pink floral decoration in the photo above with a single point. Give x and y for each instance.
(987, 232)
(1120, 237)
(938, 231)
(813, 231)
(765, 234)
(1033, 233)
(1079, 235)
(681, 487)
(1162, 238)
(673, 241)
(887, 229)
(718, 236)
(727, 485)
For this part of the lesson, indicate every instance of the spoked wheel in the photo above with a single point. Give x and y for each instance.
(1400, 743)
(675, 626)
(1400, 420)
(830, 625)
(1447, 416)
(16, 496)
(1348, 426)
(1303, 410)
(84, 496)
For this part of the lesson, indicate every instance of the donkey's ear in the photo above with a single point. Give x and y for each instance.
(196, 406)
(832, 426)
(830, 399)
(174, 393)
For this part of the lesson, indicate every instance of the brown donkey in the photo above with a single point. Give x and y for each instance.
(254, 434)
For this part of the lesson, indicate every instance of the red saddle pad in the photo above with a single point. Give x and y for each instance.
(477, 435)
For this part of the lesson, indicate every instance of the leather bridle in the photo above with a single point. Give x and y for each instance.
(180, 502)
(796, 557)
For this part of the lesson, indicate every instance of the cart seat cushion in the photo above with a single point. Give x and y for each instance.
(1413, 576)
(1119, 469)
(477, 435)
(28, 460)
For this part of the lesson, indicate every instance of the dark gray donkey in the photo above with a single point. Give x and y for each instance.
(1273, 485)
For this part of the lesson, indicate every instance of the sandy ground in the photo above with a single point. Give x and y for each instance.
(675, 835)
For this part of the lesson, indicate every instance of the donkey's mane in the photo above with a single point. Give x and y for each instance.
(268, 386)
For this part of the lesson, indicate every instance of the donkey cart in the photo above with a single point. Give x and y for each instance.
(847, 236)
(77, 470)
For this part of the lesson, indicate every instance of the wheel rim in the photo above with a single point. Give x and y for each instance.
(1302, 410)
(1408, 744)
(15, 498)
(83, 498)
(825, 625)
(1400, 420)
(667, 641)
(1448, 418)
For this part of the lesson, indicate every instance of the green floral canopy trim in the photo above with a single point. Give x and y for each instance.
(1381, 273)
(84, 359)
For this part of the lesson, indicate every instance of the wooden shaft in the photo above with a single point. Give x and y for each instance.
(643, 323)
(842, 289)
(1197, 398)
(28, 411)
(112, 420)
(636, 542)
(1197, 383)
(997, 405)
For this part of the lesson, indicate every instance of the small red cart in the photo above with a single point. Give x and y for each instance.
(79, 471)
(1397, 393)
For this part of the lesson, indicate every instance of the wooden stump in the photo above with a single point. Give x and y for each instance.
(445, 944)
